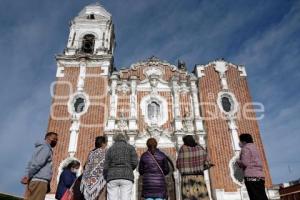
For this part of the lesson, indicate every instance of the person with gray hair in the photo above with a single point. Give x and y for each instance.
(120, 161)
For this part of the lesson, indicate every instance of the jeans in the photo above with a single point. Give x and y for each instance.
(119, 189)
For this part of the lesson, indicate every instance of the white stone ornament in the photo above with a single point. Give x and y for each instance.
(123, 88)
(153, 71)
(188, 125)
(122, 123)
(74, 129)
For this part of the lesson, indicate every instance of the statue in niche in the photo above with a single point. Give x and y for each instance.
(188, 122)
(122, 122)
(154, 79)
(226, 104)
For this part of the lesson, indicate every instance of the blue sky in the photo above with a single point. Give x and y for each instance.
(261, 34)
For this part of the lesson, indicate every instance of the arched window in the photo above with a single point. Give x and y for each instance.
(88, 43)
(153, 111)
(91, 16)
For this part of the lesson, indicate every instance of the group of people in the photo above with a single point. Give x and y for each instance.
(109, 172)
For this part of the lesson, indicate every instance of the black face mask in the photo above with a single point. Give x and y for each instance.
(53, 143)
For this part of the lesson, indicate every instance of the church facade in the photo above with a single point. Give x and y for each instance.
(150, 98)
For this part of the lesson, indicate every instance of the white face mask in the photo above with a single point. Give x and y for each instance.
(74, 170)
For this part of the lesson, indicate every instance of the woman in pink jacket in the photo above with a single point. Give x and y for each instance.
(252, 166)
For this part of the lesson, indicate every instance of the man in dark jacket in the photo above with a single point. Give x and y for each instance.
(120, 162)
(39, 169)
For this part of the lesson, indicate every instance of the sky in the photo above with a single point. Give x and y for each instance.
(263, 35)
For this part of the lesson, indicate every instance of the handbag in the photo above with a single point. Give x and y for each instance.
(69, 195)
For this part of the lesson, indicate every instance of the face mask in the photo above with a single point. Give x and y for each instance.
(53, 143)
(74, 170)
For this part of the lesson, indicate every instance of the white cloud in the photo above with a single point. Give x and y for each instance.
(272, 62)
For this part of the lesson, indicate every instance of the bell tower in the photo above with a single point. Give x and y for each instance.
(79, 94)
(91, 32)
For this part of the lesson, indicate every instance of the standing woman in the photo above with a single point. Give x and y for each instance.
(252, 166)
(190, 162)
(154, 167)
(93, 184)
(67, 178)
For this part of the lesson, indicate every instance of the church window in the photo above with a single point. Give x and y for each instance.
(226, 104)
(153, 111)
(88, 43)
(79, 105)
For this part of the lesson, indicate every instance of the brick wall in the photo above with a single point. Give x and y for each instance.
(92, 122)
(218, 132)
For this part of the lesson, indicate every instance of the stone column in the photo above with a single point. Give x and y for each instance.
(175, 91)
(196, 108)
(113, 103)
(133, 105)
(177, 118)
(177, 178)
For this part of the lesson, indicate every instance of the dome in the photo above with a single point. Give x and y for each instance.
(96, 10)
